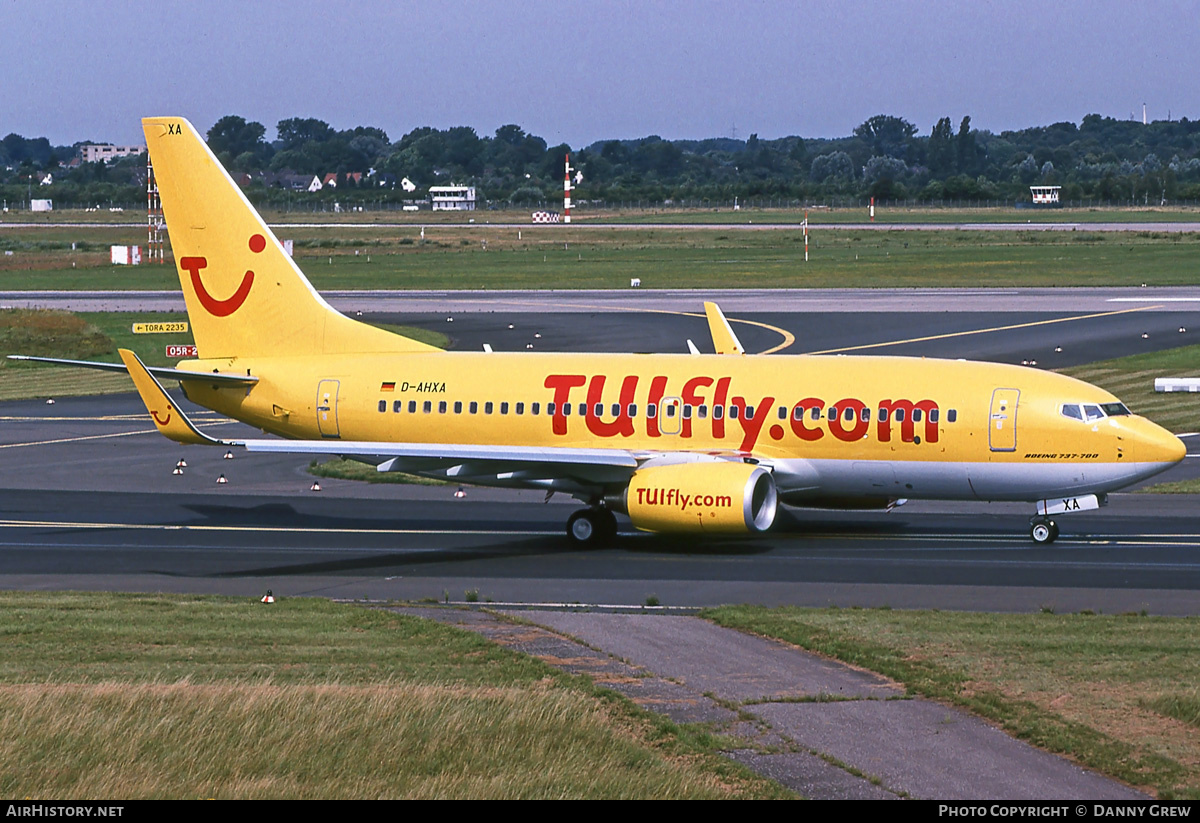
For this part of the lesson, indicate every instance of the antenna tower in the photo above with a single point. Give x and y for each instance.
(154, 217)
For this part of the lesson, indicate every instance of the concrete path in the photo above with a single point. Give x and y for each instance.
(821, 728)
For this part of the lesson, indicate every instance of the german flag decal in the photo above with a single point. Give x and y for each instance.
(387, 387)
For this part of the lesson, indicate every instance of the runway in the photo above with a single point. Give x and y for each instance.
(733, 301)
(88, 501)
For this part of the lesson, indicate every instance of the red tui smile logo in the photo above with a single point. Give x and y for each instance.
(213, 305)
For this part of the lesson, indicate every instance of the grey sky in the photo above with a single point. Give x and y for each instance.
(576, 72)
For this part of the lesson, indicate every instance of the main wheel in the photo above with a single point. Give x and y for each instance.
(589, 528)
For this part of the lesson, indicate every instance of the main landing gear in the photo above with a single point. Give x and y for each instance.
(1043, 530)
(589, 528)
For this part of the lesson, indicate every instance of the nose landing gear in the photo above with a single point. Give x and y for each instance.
(1043, 530)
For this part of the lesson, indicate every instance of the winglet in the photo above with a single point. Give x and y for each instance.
(170, 420)
(724, 340)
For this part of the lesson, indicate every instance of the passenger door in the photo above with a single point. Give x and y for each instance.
(1002, 422)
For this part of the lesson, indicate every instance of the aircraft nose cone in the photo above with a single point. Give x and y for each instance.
(1154, 444)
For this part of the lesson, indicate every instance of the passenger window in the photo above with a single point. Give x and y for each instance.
(798, 413)
(520, 409)
(670, 408)
(733, 412)
(633, 409)
(883, 415)
(782, 412)
(616, 409)
(442, 407)
(702, 411)
(952, 416)
(473, 408)
(848, 415)
(458, 407)
(718, 412)
(566, 409)
(832, 413)
(651, 410)
(899, 415)
(397, 406)
(412, 406)
(916, 415)
(599, 410)
(504, 408)
(549, 408)
(1071, 410)
(487, 407)
(933, 415)
(383, 405)
(749, 412)
(428, 406)
(816, 413)
(865, 414)
(535, 408)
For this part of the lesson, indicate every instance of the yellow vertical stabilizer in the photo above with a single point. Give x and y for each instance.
(245, 296)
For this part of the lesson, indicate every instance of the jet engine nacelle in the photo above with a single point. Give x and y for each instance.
(712, 497)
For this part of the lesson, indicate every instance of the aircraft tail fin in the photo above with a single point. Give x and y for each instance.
(244, 294)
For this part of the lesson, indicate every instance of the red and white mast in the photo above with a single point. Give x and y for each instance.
(567, 191)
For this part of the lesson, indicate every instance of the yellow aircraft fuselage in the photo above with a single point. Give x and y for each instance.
(1000, 426)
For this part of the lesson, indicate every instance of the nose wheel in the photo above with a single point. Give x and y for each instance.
(589, 528)
(1043, 530)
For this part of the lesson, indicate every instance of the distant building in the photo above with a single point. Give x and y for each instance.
(1045, 195)
(331, 180)
(105, 152)
(452, 198)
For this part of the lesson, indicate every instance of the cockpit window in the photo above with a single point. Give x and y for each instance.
(1114, 409)
(1091, 413)
(1071, 410)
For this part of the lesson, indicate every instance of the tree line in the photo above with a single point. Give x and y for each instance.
(886, 157)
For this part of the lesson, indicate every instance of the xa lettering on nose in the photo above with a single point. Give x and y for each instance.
(215, 307)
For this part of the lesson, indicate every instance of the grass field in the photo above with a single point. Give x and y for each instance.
(107, 695)
(177, 696)
(568, 257)
(1117, 693)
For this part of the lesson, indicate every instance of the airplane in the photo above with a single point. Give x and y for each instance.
(690, 443)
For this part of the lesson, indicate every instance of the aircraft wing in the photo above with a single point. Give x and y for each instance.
(508, 465)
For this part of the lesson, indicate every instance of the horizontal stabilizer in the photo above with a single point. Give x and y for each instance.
(161, 372)
(170, 420)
